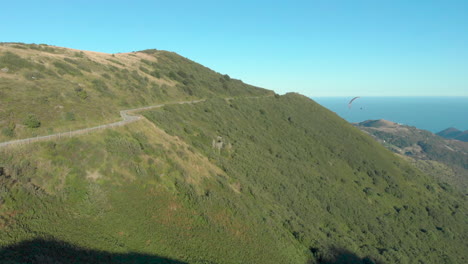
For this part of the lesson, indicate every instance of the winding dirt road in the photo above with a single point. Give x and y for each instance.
(126, 115)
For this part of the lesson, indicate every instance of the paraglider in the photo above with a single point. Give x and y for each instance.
(351, 102)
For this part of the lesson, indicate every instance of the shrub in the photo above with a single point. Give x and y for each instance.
(368, 191)
(42, 47)
(149, 51)
(79, 54)
(79, 64)
(14, 62)
(182, 74)
(81, 93)
(32, 121)
(124, 147)
(149, 63)
(105, 75)
(65, 68)
(70, 116)
(143, 69)
(8, 131)
(155, 74)
(172, 76)
(19, 47)
(100, 86)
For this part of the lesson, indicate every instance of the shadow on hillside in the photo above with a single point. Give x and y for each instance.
(340, 256)
(39, 251)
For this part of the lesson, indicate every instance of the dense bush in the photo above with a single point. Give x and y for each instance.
(32, 121)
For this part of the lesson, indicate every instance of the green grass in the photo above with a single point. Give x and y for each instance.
(323, 180)
(96, 87)
(125, 191)
(291, 182)
(276, 179)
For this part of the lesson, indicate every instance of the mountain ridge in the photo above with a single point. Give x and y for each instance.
(454, 133)
(70, 88)
(246, 176)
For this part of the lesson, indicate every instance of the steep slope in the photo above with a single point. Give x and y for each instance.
(131, 190)
(45, 89)
(327, 183)
(251, 179)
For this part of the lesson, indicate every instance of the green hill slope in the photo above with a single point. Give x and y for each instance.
(45, 89)
(327, 183)
(255, 179)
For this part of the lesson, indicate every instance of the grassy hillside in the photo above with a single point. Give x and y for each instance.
(134, 189)
(46, 89)
(269, 179)
(327, 183)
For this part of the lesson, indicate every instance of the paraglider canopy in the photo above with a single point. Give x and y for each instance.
(351, 102)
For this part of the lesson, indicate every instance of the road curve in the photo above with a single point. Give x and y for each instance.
(126, 115)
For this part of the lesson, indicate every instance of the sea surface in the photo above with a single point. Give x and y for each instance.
(430, 113)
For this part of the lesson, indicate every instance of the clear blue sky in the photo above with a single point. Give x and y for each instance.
(317, 48)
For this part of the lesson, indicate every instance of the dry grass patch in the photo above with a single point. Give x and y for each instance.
(94, 175)
(195, 165)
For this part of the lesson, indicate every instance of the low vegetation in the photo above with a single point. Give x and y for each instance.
(49, 82)
(446, 160)
(325, 182)
(244, 177)
(133, 189)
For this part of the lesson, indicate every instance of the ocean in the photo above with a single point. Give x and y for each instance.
(430, 113)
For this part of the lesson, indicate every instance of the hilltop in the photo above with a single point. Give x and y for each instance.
(381, 123)
(453, 133)
(46, 89)
(243, 176)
